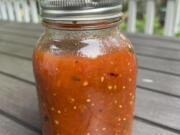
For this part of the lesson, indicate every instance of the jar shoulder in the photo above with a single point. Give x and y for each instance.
(87, 46)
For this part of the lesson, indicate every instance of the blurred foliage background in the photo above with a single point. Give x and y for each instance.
(159, 20)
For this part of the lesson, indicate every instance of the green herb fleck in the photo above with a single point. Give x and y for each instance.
(74, 78)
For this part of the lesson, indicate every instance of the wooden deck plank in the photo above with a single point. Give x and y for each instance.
(155, 40)
(154, 37)
(20, 109)
(140, 50)
(26, 53)
(16, 67)
(172, 55)
(31, 30)
(25, 71)
(18, 50)
(141, 47)
(19, 99)
(137, 35)
(16, 39)
(32, 26)
(154, 43)
(160, 65)
(157, 78)
(145, 129)
(9, 127)
(147, 62)
(158, 108)
(143, 77)
(158, 81)
(20, 32)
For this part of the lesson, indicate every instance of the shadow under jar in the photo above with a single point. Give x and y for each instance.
(85, 77)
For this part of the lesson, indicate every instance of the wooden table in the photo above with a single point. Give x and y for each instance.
(158, 86)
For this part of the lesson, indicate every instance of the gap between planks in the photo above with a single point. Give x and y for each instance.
(20, 122)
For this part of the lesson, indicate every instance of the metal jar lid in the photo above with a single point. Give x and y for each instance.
(80, 10)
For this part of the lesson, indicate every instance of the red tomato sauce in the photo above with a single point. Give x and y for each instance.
(86, 96)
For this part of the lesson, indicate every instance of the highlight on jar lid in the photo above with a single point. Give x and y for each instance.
(80, 10)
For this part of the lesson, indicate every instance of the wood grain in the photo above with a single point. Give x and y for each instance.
(27, 109)
(19, 99)
(153, 40)
(145, 107)
(157, 79)
(145, 129)
(17, 67)
(159, 64)
(9, 127)
(148, 62)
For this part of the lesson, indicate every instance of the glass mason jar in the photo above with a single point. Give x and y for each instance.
(86, 78)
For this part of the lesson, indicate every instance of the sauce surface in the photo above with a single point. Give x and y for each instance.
(86, 96)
